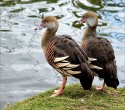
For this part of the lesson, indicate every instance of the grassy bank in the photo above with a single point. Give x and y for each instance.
(75, 98)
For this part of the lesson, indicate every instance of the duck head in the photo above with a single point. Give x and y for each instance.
(49, 22)
(90, 18)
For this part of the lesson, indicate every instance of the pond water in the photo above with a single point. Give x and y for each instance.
(24, 70)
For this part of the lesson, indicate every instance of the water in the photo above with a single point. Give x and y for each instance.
(24, 70)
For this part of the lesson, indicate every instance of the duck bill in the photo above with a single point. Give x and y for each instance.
(40, 27)
(81, 21)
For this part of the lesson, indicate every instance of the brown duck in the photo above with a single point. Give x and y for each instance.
(101, 49)
(65, 55)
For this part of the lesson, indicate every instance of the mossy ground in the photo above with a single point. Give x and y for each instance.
(74, 98)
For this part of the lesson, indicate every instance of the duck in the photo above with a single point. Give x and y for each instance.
(65, 55)
(100, 48)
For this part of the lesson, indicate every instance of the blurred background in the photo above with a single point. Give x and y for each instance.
(24, 70)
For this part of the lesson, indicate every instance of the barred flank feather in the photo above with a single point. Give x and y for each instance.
(49, 52)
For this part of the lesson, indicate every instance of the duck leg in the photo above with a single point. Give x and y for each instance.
(103, 88)
(60, 90)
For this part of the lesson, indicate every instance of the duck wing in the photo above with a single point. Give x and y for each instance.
(102, 50)
(68, 58)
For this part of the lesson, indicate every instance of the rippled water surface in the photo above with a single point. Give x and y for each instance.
(24, 70)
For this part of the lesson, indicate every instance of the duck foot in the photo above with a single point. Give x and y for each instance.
(103, 88)
(114, 93)
(60, 90)
(57, 93)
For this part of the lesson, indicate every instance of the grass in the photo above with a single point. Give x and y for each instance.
(74, 98)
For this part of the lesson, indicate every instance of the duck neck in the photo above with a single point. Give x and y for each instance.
(89, 32)
(47, 36)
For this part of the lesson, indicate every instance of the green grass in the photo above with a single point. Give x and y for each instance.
(74, 98)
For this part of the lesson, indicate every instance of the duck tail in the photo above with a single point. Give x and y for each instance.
(87, 77)
(111, 78)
